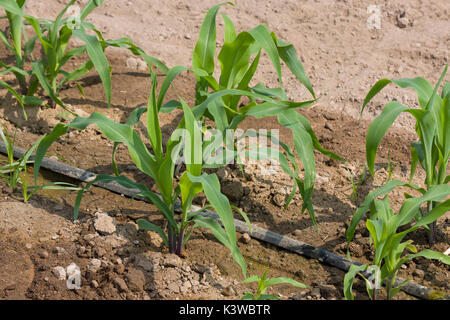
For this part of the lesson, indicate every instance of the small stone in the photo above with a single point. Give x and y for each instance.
(120, 268)
(172, 260)
(58, 250)
(43, 254)
(223, 173)
(246, 238)
(234, 191)
(94, 265)
(28, 246)
(228, 291)
(419, 273)
(94, 283)
(402, 22)
(55, 236)
(72, 270)
(298, 233)
(81, 251)
(59, 272)
(279, 200)
(315, 293)
(104, 224)
(328, 291)
(328, 126)
(99, 252)
(120, 284)
(136, 280)
(356, 250)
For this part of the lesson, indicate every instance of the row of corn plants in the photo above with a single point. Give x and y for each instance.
(432, 151)
(221, 100)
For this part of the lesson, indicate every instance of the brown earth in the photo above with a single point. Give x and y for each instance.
(342, 57)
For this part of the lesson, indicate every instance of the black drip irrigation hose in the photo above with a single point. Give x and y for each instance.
(299, 247)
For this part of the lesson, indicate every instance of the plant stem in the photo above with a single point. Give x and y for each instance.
(432, 226)
(180, 243)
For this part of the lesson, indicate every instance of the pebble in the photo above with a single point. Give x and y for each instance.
(104, 224)
(120, 269)
(28, 246)
(120, 284)
(419, 273)
(43, 254)
(172, 261)
(246, 238)
(94, 265)
(59, 272)
(58, 250)
(228, 291)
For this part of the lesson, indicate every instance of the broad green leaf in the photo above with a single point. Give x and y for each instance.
(378, 129)
(262, 36)
(205, 47)
(98, 58)
(153, 128)
(230, 31)
(422, 87)
(170, 77)
(234, 59)
(193, 142)
(288, 54)
(279, 280)
(38, 71)
(304, 148)
(365, 206)
(349, 278)
(430, 254)
(223, 237)
(221, 205)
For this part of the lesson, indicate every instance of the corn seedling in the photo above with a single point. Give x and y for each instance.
(54, 36)
(389, 248)
(15, 16)
(220, 99)
(264, 283)
(432, 150)
(159, 164)
(14, 172)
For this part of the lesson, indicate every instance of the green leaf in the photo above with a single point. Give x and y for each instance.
(234, 59)
(378, 129)
(430, 254)
(98, 58)
(262, 36)
(221, 205)
(279, 280)
(38, 71)
(288, 54)
(365, 206)
(205, 47)
(349, 278)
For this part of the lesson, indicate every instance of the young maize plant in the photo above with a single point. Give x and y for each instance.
(220, 99)
(159, 165)
(14, 172)
(432, 150)
(389, 248)
(21, 54)
(264, 283)
(54, 36)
